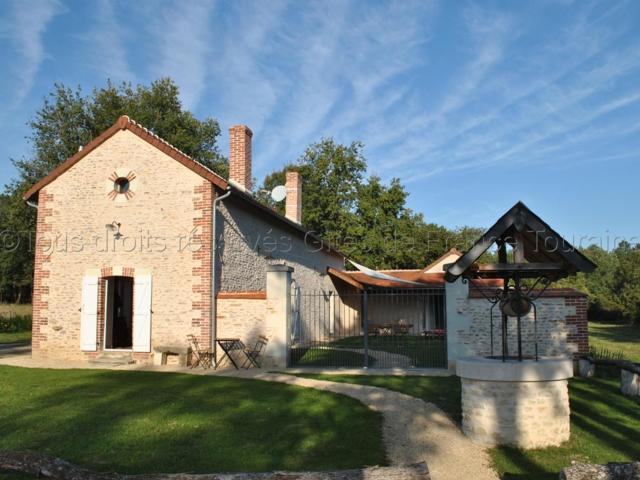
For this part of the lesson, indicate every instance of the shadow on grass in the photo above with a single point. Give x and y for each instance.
(145, 422)
(604, 424)
(442, 391)
(388, 351)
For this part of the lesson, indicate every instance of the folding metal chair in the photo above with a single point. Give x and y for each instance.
(203, 357)
(253, 354)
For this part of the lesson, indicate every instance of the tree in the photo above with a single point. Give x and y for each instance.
(366, 219)
(17, 237)
(331, 175)
(67, 120)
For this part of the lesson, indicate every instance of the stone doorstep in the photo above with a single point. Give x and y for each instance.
(113, 358)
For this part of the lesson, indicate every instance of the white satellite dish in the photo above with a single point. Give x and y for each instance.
(279, 193)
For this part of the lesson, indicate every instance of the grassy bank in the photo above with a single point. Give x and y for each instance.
(144, 422)
(616, 337)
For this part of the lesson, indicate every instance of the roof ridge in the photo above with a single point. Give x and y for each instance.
(129, 120)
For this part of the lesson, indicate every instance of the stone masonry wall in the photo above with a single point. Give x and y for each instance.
(241, 318)
(162, 220)
(531, 414)
(561, 329)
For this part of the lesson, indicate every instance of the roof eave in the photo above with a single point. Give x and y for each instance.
(125, 123)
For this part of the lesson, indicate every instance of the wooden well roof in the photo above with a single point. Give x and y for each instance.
(543, 251)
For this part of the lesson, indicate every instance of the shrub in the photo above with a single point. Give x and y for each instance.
(14, 323)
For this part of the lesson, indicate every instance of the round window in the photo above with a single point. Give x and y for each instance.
(121, 185)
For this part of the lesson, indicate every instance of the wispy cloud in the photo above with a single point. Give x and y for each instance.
(181, 38)
(246, 66)
(107, 38)
(534, 104)
(23, 25)
(341, 71)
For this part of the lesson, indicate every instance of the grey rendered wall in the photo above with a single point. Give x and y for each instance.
(250, 240)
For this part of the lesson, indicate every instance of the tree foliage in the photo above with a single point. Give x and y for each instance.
(362, 216)
(614, 287)
(69, 119)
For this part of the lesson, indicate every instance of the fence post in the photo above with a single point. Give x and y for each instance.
(365, 321)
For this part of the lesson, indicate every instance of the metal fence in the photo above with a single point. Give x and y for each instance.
(378, 329)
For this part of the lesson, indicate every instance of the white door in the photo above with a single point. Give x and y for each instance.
(142, 313)
(89, 315)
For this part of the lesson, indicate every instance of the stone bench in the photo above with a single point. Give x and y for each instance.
(161, 353)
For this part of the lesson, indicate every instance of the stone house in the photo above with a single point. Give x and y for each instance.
(124, 248)
(135, 239)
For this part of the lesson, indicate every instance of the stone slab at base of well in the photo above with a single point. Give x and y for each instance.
(520, 404)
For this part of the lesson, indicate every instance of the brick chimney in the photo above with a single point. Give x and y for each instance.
(293, 207)
(240, 157)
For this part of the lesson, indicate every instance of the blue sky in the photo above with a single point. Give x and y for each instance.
(473, 105)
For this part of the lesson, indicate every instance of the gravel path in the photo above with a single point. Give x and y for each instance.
(397, 360)
(413, 430)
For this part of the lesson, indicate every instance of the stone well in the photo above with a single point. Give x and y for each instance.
(521, 404)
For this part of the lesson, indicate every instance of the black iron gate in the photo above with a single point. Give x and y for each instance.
(377, 328)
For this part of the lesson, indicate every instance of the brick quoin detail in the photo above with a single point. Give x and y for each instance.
(41, 274)
(203, 203)
(580, 336)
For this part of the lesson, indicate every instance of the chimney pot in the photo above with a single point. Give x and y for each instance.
(293, 207)
(240, 157)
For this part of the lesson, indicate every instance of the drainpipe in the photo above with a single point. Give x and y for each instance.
(32, 204)
(214, 286)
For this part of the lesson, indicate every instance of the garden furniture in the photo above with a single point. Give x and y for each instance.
(253, 354)
(228, 345)
(202, 356)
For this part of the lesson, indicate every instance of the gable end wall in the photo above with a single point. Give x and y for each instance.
(166, 224)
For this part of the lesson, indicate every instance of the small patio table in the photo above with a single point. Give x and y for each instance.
(228, 345)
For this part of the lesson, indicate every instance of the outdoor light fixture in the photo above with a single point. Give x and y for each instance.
(114, 227)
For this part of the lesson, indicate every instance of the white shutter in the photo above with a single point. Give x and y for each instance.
(89, 314)
(142, 314)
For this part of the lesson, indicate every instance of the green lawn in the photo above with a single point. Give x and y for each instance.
(15, 323)
(327, 357)
(616, 337)
(604, 428)
(13, 337)
(145, 422)
(443, 391)
(423, 351)
(604, 423)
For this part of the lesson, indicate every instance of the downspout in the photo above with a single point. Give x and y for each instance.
(214, 285)
(32, 204)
